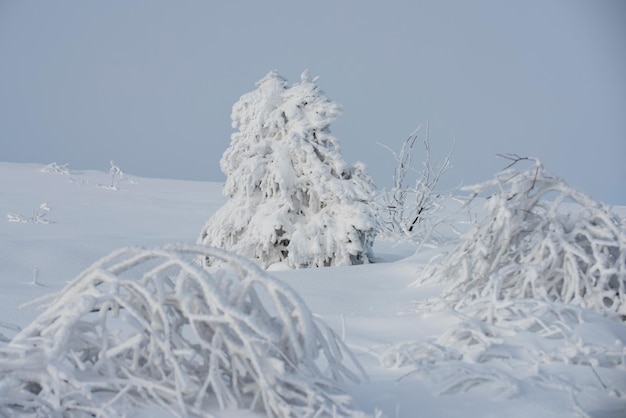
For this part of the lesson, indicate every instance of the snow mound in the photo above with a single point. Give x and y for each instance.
(150, 326)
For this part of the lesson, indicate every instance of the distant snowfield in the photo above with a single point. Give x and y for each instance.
(374, 308)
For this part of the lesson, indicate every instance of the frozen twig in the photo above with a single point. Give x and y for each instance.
(404, 208)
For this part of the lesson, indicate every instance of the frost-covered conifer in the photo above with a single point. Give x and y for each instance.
(293, 198)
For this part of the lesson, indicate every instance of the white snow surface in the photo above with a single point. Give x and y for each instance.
(420, 362)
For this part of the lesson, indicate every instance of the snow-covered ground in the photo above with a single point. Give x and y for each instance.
(421, 361)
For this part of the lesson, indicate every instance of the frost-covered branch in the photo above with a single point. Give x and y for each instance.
(11, 327)
(534, 335)
(414, 196)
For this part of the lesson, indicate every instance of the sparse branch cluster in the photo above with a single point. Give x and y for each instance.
(414, 198)
(116, 176)
(153, 326)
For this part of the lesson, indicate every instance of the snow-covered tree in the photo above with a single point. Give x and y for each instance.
(293, 198)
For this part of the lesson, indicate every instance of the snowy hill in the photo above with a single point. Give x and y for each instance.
(421, 361)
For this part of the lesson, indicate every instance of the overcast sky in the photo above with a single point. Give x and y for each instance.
(150, 84)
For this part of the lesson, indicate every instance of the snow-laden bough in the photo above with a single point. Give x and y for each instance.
(150, 326)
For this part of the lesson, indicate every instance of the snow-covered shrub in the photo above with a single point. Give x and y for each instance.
(38, 216)
(151, 326)
(408, 209)
(116, 176)
(528, 340)
(523, 286)
(56, 168)
(292, 196)
(541, 240)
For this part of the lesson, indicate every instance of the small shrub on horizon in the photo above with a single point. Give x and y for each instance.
(38, 216)
(56, 168)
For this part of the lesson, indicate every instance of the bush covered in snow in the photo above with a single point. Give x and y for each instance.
(292, 196)
(541, 240)
(38, 216)
(539, 282)
(56, 168)
(116, 176)
(151, 326)
(529, 341)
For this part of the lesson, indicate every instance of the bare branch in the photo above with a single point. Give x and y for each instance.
(405, 206)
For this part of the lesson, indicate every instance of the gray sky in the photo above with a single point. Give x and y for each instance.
(151, 83)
